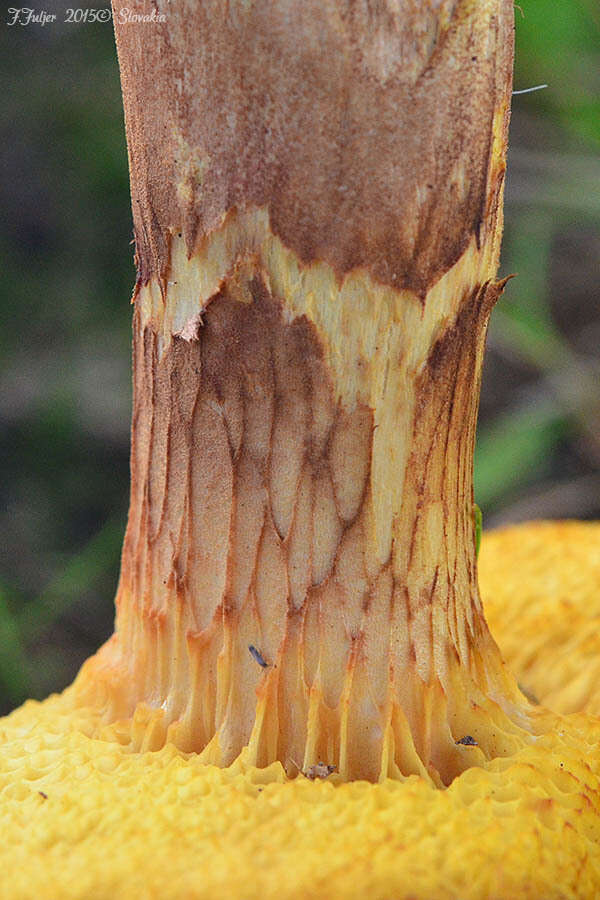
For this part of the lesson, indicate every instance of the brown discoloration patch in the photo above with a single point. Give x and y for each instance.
(364, 130)
(207, 415)
(232, 497)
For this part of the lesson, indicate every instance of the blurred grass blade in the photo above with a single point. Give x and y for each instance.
(523, 320)
(478, 519)
(96, 558)
(14, 666)
(515, 446)
(522, 331)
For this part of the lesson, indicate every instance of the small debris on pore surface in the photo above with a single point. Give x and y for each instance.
(467, 741)
(318, 770)
(43, 795)
(529, 694)
(257, 655)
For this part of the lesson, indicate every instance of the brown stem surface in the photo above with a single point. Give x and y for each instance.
(317, 196)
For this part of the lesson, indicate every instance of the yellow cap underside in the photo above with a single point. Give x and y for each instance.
(541, 587)
(89, 818)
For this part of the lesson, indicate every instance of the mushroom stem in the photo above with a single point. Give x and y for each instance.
(317, 198)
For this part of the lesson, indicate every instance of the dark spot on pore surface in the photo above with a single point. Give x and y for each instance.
(467, 741)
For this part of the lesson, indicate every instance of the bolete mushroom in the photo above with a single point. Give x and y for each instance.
(317, 201)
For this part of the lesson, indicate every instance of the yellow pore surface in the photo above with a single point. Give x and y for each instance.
(89, 818)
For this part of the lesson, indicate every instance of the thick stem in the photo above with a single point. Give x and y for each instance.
(317, 202)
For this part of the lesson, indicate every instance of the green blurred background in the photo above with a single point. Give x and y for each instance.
(64, 345)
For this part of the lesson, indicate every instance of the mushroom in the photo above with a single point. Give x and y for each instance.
(317, 202)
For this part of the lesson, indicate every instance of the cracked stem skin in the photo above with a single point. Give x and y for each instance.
(317, 205)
